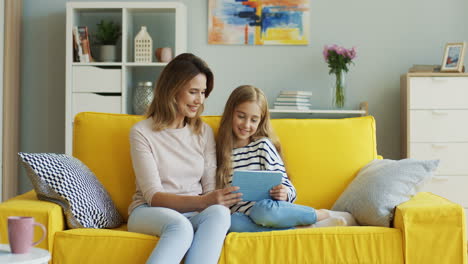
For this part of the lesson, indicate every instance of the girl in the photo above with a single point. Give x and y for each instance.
(174, 160)
(246, 142)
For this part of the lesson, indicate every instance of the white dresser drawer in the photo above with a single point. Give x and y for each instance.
(438, 93)
(438, 125)
(453, 156)
(450, 187)
(96, 80)
(90, 102)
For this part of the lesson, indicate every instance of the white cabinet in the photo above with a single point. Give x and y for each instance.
(108, 86)
(96, 102)
(92, 79)
(434, 115)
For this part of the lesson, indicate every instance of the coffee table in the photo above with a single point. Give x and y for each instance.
(35, 256)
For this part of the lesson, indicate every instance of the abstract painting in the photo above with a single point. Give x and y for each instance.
(258, 22)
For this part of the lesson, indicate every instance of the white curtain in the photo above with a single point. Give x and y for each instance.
(2, 31)
(11, 94)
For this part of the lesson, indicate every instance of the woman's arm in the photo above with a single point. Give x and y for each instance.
(208, 179)
(187, 203)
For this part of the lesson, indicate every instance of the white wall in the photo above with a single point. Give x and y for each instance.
(2, 32)
(390, 36)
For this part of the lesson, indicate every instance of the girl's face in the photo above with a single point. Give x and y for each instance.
(245, 122)
(191, 97)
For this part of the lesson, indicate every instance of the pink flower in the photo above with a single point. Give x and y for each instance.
(340, 51)
(338, 58)
(325, 52)
(351, 53)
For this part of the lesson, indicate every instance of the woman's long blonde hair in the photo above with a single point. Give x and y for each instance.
(225, 139)
(173, 79)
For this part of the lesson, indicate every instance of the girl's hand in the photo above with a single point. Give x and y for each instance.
(223, 196)
(279, 192)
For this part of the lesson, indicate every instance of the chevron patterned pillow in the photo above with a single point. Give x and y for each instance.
(66, 181)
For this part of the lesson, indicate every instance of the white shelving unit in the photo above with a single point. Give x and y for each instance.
(108, 86)
(363, 111)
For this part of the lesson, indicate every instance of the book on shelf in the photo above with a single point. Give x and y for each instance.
(77, 49)
(83, 44)
(292, 104)
(296, 93)
(292, 99)
(293, 96)
(288, 107)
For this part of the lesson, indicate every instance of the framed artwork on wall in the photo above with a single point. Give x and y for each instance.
(453, 57)
(258, 22)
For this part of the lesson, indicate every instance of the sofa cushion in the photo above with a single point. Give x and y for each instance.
(316, 245)
(382, 185)
(313, 245)
(322, 156)
(66, 181)
(100, 140)
(91, 246)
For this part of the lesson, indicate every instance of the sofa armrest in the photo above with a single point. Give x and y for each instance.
(433, 230)
(46, 213)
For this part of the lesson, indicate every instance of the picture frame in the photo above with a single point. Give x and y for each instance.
(453, 57)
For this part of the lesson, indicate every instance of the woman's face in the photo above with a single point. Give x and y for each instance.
(191, 97)
(245, 122)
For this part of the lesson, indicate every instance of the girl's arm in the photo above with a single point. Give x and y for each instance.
(272, 161)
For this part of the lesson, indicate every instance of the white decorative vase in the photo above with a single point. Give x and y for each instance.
(143, 46)
(107, 53)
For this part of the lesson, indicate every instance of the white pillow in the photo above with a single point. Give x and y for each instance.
(380, 186)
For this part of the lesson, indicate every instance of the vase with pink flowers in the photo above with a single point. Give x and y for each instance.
(338, 59)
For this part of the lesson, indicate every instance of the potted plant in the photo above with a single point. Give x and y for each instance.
(106, 36)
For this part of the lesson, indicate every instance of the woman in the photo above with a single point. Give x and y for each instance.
(174, 160)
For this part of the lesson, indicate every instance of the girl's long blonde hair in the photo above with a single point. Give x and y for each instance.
(225, 139)
(173, 79)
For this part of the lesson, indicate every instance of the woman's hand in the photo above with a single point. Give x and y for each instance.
(279, 192)
(223, 196)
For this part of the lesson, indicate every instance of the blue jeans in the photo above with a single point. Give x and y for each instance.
(198, 236)
(271, 215)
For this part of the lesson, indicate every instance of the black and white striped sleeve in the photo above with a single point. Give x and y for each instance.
(272, 161)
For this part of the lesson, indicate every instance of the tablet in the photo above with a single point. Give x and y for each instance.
(256, 185)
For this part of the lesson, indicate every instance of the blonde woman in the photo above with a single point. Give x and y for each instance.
(246, 142)
(174, 160)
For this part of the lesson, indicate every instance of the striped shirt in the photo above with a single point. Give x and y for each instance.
(259, 155)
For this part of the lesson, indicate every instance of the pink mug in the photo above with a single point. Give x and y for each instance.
(163, 54)
(21, 233)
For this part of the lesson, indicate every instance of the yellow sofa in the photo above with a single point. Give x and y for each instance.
(322, 157)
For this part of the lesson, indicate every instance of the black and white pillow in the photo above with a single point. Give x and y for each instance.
(66, 181)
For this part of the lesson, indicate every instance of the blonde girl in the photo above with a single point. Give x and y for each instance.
(246, 142)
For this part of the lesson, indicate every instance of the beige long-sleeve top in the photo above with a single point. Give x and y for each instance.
(172, 160)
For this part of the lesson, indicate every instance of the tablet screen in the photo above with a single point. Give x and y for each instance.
(256, 185)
